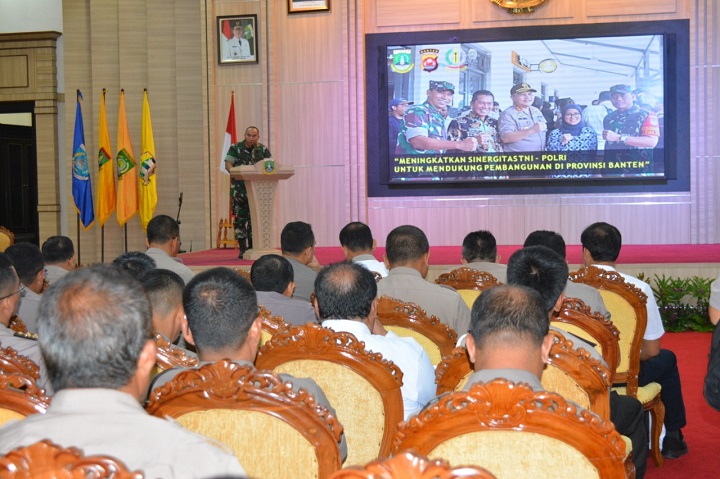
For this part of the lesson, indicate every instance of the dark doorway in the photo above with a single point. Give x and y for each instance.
(18, 171)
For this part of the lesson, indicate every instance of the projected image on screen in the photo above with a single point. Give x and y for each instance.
(554, 109)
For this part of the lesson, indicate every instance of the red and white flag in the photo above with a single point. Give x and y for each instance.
(230, 135)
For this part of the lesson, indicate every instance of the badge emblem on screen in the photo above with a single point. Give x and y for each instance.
(429, 59)
(402, 61)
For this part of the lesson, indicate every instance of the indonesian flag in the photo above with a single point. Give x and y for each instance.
(230, 135)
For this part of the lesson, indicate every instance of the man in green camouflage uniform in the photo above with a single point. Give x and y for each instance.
(246, 152)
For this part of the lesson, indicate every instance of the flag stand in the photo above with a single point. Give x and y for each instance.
(102, 244)
(125, 232)
(79, 262)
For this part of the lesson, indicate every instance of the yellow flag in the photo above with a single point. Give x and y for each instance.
(127, 194)
(106, 176)
(148, 186)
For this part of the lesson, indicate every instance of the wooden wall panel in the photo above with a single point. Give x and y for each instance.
(416, 12)
(623, 7)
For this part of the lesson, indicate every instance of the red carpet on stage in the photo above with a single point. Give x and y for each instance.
(442, 255)
(702, 432)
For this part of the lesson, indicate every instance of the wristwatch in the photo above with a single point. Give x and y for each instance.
(623, 138)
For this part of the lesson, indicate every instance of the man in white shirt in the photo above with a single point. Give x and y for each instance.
(601, 244)
(345, 301)
(163, 242)
(358, 245)
(237, 48)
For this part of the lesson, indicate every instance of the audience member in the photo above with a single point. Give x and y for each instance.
(163, 242)
(297, 242)
(164, 289)
(345, 300)
(135, 263)
(222, 322)
(273, 279)
(11, 290)
(479, 252)
(589, 295)
(541, 269)
(358, 245)
(407, 254)
(59, 256)
(100, 357)
(711, 387)
(30, 268)
(601, 244)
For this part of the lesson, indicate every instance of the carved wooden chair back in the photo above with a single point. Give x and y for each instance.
(270, 324)
(408, 465)
(244, 273)
(363, 388)
(257, 415)
(468, 282)
(170, 356)
(627, 305)
(409, 320)
(503, 426)
(45, 460)
(20, 397)
(7, 238)
(452, 373)
(577, 318)
(18, 325)
(577, 376)
(13, 362)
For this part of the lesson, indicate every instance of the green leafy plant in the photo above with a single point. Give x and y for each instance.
(683, 302)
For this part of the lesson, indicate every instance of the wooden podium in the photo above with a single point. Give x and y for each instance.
(261, 196)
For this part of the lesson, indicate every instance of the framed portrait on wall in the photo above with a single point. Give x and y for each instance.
(302, 6)
(237, 39)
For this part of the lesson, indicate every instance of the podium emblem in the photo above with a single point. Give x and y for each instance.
(269, 167)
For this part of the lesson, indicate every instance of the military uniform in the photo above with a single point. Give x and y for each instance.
(631, 122)
(421, 120)
(239, 155)
(472, 125)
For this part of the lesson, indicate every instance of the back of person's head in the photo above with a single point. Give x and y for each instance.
(541, 269)
(296, 237)
(220, 306)
(57, 249)
(479, 246)
(93, 324)
(27, 259)
(605, 96)
(164, 289)
(549, 239)
(405, 244)
(508, 315)
(345, 291)
(8, 276)
(356, 236)
(162, 229)
(135, 263)
(271, 272)
(603, 241)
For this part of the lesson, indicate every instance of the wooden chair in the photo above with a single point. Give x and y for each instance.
(270, 324)
(13, 362)
(577, 318)
(363, 388)
(226, 234)
(514, 432)
(7, 238)
(244, 273)
(627, 303)
(20, 397)
(257, 415)
(45, 460)
(409, 320)
(18, 325)
(411, 466)
(170, 356)
(468, 282)
(452, 373)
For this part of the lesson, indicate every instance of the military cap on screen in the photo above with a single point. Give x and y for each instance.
(400, 101)
(442, 86)
(621, 89)
(521, 88)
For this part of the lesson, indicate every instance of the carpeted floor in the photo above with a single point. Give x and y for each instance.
(702, 432)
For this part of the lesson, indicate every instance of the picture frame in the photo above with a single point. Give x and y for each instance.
(304, 6)
(237, 39)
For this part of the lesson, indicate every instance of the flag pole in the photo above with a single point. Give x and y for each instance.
(77, 216)
(102, 244)
(125, 231)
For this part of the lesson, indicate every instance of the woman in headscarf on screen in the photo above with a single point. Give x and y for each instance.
(573, 134)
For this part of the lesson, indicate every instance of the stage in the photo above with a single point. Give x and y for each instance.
(669, 260)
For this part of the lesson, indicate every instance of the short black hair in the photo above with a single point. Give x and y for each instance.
(27, 259)
(162, 229)
(8, 276)
(164, 289)
(345, 291)
(406, 243)
(220, 306)
(57, 249)
(603, 241)
(541, 269)
(482, 93)
(508, 314)
(356, 236)
(296, 237)
(549, 239)
(136, 263)
(479, 246)
(271, 272)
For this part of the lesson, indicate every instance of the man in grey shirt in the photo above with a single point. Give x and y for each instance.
(163, 242)
(272, 277)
